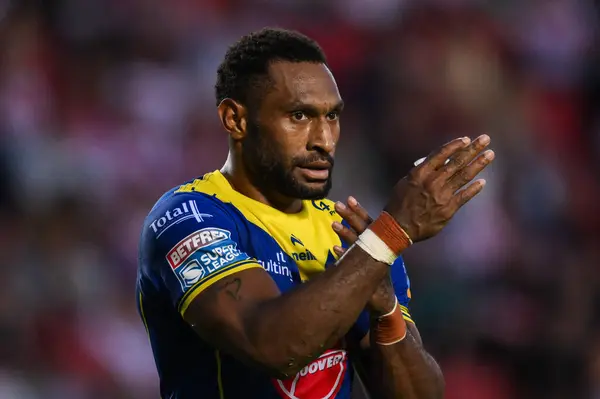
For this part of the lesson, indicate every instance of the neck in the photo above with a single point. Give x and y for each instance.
(237, 176)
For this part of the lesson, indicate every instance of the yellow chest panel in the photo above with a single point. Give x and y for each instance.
(307, 236)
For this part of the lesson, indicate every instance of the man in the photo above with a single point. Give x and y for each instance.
(240, 286)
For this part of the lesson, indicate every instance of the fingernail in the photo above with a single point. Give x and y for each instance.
(466, 140)
(339, 250)
(337, 226)
(352, 201)
(484, 139)
(340, 205)
(489, 155)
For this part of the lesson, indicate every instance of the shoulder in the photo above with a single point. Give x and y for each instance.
(189, 241)
(183, 212)
(174, 210)
(182, 223)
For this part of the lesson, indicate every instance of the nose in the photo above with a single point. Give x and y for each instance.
(322, 138)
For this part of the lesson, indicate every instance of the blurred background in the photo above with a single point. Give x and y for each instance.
(106, 104)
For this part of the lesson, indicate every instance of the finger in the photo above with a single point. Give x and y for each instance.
(359, 210)
(339, 251)
(344, 232)
(437, 159)
(462, 158)
(468, 173)
(421, 160)
(353, 219)
(466, 195)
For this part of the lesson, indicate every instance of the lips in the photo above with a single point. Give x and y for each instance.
(316, 170)
(317, 165)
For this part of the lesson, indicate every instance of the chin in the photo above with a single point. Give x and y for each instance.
(313, 190)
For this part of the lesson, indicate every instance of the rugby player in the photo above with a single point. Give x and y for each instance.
(241, 285)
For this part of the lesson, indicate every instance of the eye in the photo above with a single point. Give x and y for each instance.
(299, 116)
(332, 116)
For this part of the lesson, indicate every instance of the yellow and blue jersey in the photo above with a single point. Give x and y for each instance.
(203, 231)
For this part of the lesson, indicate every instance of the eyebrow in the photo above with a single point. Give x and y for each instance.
(302, 105)
(339, 106)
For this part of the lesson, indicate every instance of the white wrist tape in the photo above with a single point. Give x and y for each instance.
(376, 247)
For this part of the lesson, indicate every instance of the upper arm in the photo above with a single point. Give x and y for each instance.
(219, 314)
(210, 278)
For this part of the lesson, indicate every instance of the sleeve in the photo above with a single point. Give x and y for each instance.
(196, 244)
(401, 284)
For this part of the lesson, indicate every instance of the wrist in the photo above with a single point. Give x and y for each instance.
(384, 240)
(378, 307)
(389, 328)
(390, 232)
(383, 299)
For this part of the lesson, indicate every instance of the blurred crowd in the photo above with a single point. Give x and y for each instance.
(106, 104)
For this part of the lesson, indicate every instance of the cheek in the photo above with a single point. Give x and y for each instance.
(292, 140)
(335, 132)
(335, 136)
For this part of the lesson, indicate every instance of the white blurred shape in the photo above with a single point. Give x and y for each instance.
(14, 387)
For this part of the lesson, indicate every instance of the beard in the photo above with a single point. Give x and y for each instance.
(269, 171)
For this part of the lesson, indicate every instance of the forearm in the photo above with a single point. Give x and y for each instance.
(404, 370)
(291, 330)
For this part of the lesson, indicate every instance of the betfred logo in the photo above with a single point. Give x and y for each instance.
(321, 379)
(192, 243)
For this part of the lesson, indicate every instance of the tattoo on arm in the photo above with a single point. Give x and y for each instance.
(232, 288)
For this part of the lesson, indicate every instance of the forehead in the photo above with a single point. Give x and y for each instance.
(302, 82)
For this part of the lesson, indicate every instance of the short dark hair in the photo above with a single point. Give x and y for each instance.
(246, 63)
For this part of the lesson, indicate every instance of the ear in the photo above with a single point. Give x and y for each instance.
(233, 116)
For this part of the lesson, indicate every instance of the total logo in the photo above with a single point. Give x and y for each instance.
(186, 210)
(321, 379)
